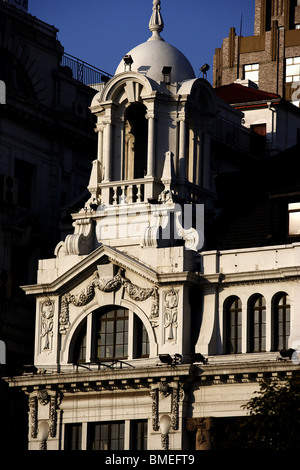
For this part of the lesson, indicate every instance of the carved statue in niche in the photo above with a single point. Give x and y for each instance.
(170, 315)
(47, 311)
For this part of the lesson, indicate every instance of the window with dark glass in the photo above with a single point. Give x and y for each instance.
(257, 324)
(79, 354)
(233, 326)
(281, 320)
(142, 339)
(109, 337)
(112, 335)
(73, 436)
(138, 434)
(106, 436)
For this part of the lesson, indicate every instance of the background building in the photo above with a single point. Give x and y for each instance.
(47, 143)
(271, 57)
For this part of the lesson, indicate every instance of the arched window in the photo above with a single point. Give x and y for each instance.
(142, 348)
(79, 353)
(257, 324)
(109, 338)
(233, 326)
(136, 142)
(112, 335)
(281, 322)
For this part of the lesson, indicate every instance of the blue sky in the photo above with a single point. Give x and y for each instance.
(101, 32)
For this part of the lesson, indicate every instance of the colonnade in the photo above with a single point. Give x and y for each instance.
(199, 155)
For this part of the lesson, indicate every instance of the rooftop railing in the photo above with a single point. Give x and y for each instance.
(83, 72)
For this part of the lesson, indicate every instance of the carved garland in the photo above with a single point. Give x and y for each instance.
(139, 294)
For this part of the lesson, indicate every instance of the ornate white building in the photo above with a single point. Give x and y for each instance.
(145, 337)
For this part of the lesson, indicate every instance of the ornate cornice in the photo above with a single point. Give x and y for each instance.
(87, 266)
(252, 277)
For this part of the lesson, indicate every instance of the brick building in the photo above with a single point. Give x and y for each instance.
(271, 57)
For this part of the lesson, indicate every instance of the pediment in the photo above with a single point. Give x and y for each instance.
(102, 256)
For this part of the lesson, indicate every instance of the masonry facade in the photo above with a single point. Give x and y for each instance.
(156, 320)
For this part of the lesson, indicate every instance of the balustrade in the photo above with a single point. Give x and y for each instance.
(114, 193)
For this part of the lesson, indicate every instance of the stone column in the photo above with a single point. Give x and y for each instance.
(107, 151)
(151, 147)
(182, 149)
(100, 143)
(203, 428)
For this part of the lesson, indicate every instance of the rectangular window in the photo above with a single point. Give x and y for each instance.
(73, 436)
(106, 436)
(251, 72)
(294, 218)
(138, 435)
(292, 78)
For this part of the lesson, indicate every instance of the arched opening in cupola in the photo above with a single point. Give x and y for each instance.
(136, 140)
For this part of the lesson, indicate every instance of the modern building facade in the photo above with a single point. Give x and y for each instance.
(270, 57)
(158, 317)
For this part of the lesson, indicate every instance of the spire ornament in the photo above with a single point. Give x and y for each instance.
(156, 24)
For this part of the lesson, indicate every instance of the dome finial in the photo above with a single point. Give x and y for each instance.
(156, 24)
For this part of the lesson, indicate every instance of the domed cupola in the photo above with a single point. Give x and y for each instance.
(150, 57)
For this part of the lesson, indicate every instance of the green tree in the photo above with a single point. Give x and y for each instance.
(273, 421)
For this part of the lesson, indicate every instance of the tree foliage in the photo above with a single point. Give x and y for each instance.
(273, 421)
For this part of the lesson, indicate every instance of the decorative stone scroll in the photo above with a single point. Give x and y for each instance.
(47, 313)
(136, 293)
(80, 243)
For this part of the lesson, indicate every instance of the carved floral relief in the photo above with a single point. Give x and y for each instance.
(47, 314)
(170, 315)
